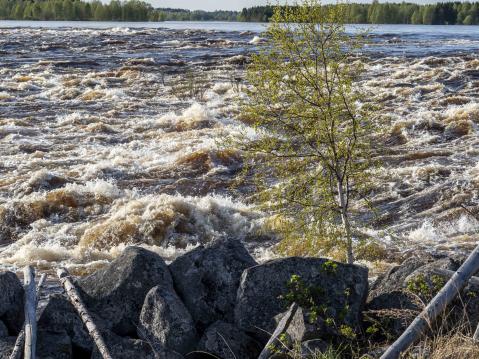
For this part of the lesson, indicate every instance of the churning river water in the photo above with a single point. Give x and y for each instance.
(109, 136)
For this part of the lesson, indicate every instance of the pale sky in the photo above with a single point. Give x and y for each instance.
(207, 4)
(232, 4)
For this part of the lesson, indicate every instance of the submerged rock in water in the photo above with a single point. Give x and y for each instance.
(11, 302)
(42, 181)
(226, 341)
(341, 289)
(117, 292)
(165, 322)
(207, 279)
(458, 129)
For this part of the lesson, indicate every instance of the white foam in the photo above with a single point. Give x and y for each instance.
(429, 233)
(257, 40)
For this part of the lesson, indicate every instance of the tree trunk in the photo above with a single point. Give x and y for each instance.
(346, 223)
(30, 313)
(281, 328)
(77, 302)
(435, 307)
(19, 343)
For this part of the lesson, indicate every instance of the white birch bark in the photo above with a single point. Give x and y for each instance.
(30, 313)
(20, 342)
(80, 307)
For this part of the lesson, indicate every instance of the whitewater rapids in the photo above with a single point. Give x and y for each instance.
(110, 137)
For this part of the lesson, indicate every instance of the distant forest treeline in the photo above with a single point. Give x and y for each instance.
(130, 10)
(448, 13)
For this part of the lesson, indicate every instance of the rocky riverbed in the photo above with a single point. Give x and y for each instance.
(217, 302)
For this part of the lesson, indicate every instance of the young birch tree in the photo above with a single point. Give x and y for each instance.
(311, 147)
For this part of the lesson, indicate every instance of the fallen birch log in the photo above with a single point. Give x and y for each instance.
(80, 307)
(30, 313)
(475, 337)
(283, 325)
(437, 306)
(20, 342)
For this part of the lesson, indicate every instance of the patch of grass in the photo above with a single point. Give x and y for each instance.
(454, 346)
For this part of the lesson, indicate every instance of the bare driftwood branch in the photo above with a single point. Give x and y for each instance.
(30, 313)
(19, 343)
(475, 337)
(75, 299)
(281, 328)
(439, 303)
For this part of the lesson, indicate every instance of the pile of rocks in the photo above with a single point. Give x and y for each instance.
(214, 301)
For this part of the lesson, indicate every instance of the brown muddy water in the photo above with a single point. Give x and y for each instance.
(111, 137)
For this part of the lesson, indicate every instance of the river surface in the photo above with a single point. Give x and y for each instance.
(110, 135)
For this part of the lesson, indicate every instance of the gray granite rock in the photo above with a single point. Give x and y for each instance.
(207, 279)
(339, 289)
(226, 341)
(117, 292)
(165, 321)
(11, 302)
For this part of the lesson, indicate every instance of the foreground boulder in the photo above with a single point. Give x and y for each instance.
(53, 345)
(6, 347)
(60, 316)
(166, 323)
(225, 341)
(400, 294)
(116, 292)
(390, 309)
(302, 328)
(128, 348)
(11, 302)
(337, 290)
(313, 348)
(207, 279)
(3, 330)
(394, 279)
(389, 314)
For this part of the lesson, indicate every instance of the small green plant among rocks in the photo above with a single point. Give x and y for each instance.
(314, 301)
(424, 288)
(304, 296)
(330, 267)
(282, 343)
